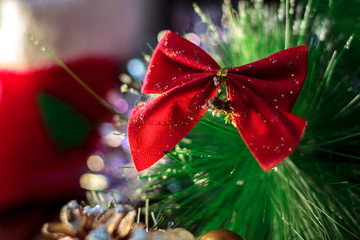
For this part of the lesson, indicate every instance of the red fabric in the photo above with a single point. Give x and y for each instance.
(262, 94)
(31, 165)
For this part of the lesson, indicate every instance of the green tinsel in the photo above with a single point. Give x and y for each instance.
(212, 180)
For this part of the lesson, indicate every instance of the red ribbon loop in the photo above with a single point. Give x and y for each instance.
(261, 94)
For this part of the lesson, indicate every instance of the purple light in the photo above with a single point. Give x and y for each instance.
(120, 105)
(194, 38)
(115, 98)
(116, 162)
(125, 144)
(200, 27)
(105, 129)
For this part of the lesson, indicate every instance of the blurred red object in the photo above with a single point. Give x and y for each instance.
(32, 166)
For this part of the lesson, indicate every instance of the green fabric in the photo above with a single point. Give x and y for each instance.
(67, 127)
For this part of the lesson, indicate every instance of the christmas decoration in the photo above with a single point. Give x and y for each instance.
(210, 179)
(220, 234)
(260, 97)
(111, 222)
(96, 222)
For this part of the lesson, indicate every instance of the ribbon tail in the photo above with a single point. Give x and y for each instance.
(270, 134)
(158, 125)
(281, 138)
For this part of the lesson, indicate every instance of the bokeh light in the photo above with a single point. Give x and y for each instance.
(174, 186)
(106, 128)
(114, 139)
(136, 68)
(194, 38)
(120, 105)
(200, 27)
(126, 145)
(161, 34)
(116, 99)
(91, 181)
(95, 163)
(115, 161)
(124, 78)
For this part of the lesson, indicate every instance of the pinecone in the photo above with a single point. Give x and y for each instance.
(99, 222)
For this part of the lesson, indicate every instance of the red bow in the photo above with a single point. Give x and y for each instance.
(261, 95)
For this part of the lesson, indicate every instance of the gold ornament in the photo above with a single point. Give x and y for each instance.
(220, 234)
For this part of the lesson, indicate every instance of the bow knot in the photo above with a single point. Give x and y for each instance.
(221, 76)
(260, 96)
